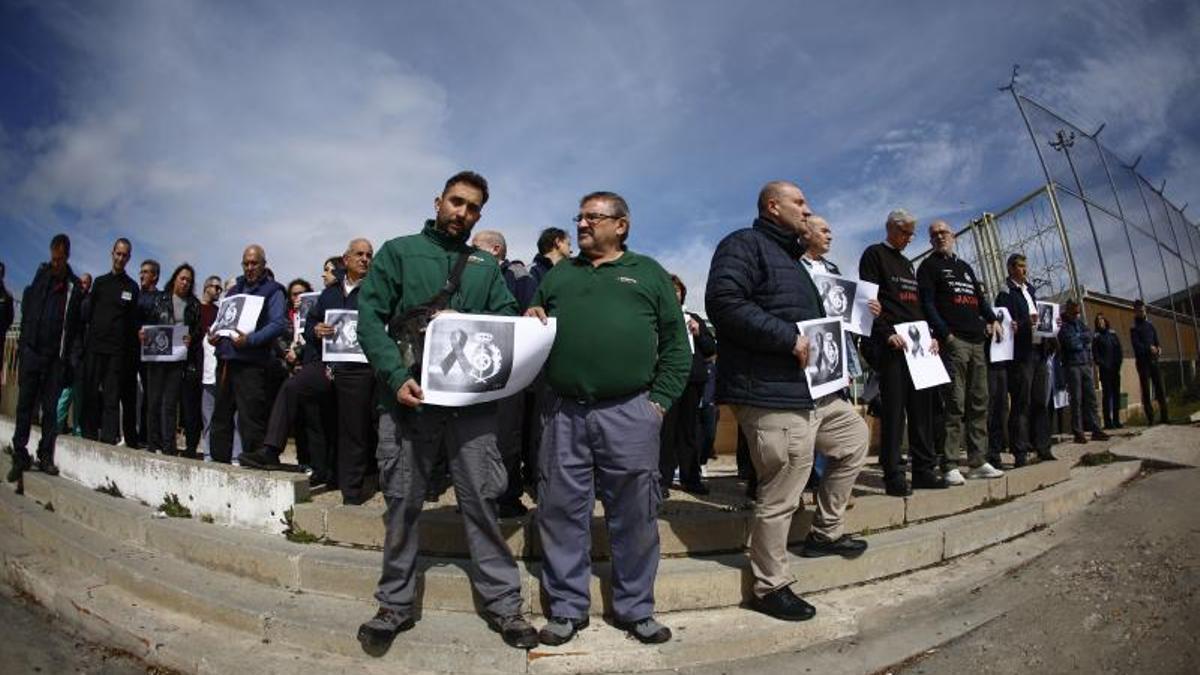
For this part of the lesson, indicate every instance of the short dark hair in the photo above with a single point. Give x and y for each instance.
(1015, 258)
(122, 240)
(338, 262)
(1071, 303)
(616, 200)
(470, 178)
(1138, 304)
(549, 238)
(1100, 317)
(303, 283)
(680, 286)
(62, 241)
(154, 265)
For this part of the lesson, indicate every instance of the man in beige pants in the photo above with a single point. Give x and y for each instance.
(758, 289)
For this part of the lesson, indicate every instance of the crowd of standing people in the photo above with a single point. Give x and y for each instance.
(622, 405)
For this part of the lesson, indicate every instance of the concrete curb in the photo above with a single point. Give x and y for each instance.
(120, 580)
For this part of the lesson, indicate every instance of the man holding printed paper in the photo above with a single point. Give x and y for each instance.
(962, 320)
(901, 402)
(758, 291)
(620, 359)
(412, 278)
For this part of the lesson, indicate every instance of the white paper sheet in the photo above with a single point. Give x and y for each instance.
(473, 358)
(307, 302)
(925, 367)
(826, 371)
(1047, 325)
(237, 313)
(1002, 350)
(847, 298)
(164, 344)
(342, 346)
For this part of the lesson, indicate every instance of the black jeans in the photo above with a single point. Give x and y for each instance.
(997, 410)
(1110, 395)
(109, 389)
(901, 405)
(41, 383)
(354, 387)
(1149, 374)
(679, 444)
(241, 389)
(1020, 388)
(164, 387)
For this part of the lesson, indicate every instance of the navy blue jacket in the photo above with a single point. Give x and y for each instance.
(1012, 299)
(272, 320)
(50, 332)
(541, 265)
(1106, 350)
(1075, 343)
(1143, 336)
(757, 291)
(333, 297)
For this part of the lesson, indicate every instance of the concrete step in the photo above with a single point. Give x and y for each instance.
(687, 526)
(683, 584)
(183, 615)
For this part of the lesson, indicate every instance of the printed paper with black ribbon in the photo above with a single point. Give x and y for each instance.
(473, 358)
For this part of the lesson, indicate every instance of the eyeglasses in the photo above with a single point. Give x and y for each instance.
(936, 234)
(594, 218)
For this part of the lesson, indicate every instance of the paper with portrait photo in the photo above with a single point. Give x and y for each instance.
(164, 343)
(1002, 349)
(237, 313)
(924, 367)
(473, 358)
(847, 298)
(826, 371)
(1047, 322)
(307, 302)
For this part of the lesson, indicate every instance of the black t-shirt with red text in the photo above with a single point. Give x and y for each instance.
(958, 304)
(898, 291)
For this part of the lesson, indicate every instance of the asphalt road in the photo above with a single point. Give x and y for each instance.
(1120, 595)
(34, 642)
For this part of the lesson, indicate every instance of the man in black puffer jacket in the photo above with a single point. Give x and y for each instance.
(757, 291)
(50, 351)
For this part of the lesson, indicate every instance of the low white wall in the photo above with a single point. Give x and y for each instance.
(245, 498)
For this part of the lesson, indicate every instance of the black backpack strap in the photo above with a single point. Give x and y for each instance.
(439, 301)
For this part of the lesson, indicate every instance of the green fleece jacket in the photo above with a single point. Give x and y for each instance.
(409, 271)
(620, 330)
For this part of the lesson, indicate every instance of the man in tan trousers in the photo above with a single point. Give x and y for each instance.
(758, 289)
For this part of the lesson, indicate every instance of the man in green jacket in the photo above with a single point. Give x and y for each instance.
(407, 273)
(620, 359)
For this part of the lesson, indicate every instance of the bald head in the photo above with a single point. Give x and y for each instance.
(492, 242)
(783, 203)
(254, 263)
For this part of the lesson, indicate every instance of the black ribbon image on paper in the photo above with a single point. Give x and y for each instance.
(914, 334)
(837, 296)
(158, 341)
(231, 310)
(345, 337)
(469, 355)
(826, 352)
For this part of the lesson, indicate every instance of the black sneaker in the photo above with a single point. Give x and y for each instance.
(845, 546)
(559, 630)
(47, 467)
(264, 459)
(697, 489)
(929, 481)
(647, 631)
(376, 635)
(515, 630)
(784, 605)
(1100, 436)
(897, 487)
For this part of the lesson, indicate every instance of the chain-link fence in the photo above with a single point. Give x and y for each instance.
(1097, 230)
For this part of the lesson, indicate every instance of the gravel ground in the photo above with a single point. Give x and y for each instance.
(1120, 595)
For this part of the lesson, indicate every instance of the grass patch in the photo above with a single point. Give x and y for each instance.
(49, 506)
(992, 502)
(110, 488)
(207, 518)
(1097, 458)
(295, 533)
(172, 508)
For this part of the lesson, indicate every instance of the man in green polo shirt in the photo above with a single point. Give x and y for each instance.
(620, 359)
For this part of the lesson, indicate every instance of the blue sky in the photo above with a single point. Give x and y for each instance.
(196, 128)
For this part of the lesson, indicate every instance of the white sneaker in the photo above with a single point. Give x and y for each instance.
(985, 470)
(955, 477)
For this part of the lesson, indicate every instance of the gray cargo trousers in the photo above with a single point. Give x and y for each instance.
(409, 443)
